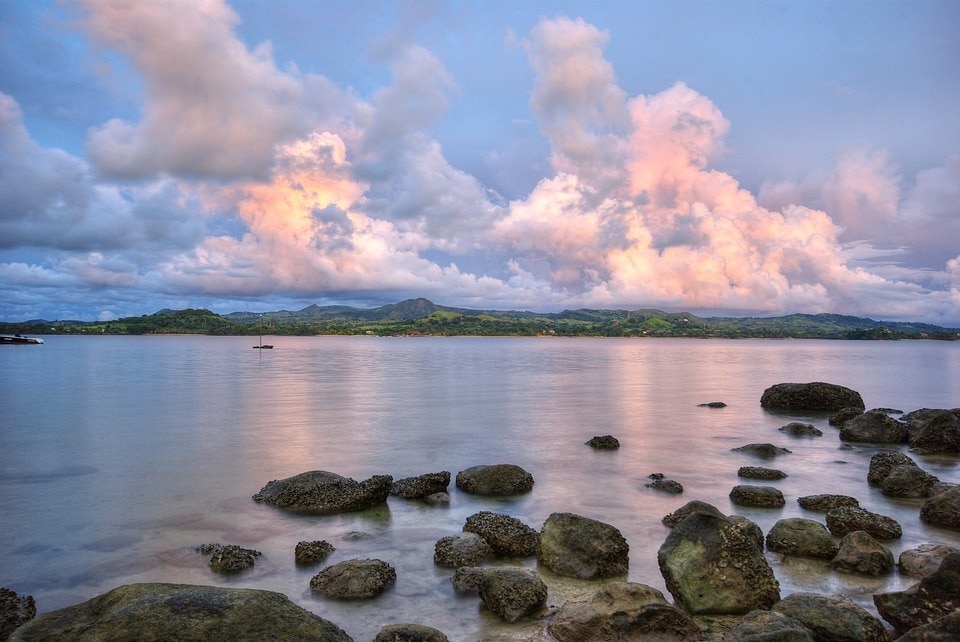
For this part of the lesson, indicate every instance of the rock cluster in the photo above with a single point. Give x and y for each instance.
(714, 565)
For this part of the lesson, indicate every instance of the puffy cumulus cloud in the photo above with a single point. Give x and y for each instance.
(211, 107)
(576, 99)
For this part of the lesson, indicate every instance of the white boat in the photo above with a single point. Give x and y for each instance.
(18, 340)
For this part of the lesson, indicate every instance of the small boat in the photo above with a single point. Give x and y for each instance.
(18, 340)
(262, 345)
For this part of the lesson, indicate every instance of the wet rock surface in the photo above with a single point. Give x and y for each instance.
(834, 618)
(932, 598)
(813, 396)
(354, 579)
(187, 613)
(495, 480)
(759, 472)
(319, 492)
(604, 442)
(575, 546)
(506, 535)
(841, 521)
(463, 549)
(421, 486)
(826, 502)
(307, 553)
(513, 593)
(802, 538)
(757, 496)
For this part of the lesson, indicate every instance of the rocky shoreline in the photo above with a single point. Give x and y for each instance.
(714, 565)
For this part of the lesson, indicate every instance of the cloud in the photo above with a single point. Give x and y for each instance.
(211, 107)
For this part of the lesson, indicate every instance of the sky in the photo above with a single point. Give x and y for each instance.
(722, 157)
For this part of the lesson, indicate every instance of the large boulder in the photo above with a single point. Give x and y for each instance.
(835, 618)
(622, 611)
(801, 538)
(847, 519)
(162, 612)
(421, 485)
(506, 535)
(943, 510)
(860, 553)
(815, 396)
(354, 579)
(512, 593)
(874, 427)
(715, 566)
(924, 560)
(757, 496)
(575, 546)
(931, 598)
(934, 431)
(496, 480)
(462, 549)
(318, 492)
(14, 611)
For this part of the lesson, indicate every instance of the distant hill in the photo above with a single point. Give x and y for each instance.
(423, 317)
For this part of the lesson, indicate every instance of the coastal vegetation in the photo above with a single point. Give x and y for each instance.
(420, 317)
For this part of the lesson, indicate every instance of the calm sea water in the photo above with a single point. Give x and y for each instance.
(120, 455)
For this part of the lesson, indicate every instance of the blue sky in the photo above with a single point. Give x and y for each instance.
(723, 157)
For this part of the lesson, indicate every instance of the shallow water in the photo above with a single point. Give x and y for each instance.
(120, 455)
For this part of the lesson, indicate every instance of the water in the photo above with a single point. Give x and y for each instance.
(120, 455)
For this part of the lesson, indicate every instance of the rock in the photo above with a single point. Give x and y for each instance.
(801, 538)
(861, 553)
(512, 593)
(933, 597)
(883, 462)
(621, 611)
(318, 492)
(945, 629)
(934, 431)
(843, 415)
(943, 510)
(354, 579)
(575, 546)
(757, 496)
(466, 579)
(924, 559)
(14, 611)
(835, 618)
(846, 519)
(909, 482)
(800, 429)
(605, 442)
(875, 428)
(666, 485)
(759, 472)
(825, 503)
(495, 480)
(767, 451)
(229, 558)
(187, 613)
(421, 486)
(307, 553)
(715, 566)
(769, 626)
(437, 499)
(463, 549)
(409, 633)
(712, 404)
(505, 534)
(690, 508)
(816, 396)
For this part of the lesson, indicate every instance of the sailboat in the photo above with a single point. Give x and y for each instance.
(262, 346)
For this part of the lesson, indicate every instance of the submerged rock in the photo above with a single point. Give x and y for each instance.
(767, 451)
(661, 483)
(182, 612)
(800, 429)
(815, 396)
(463, 549)
(229, 558)
(575, 546)
(318, 492)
